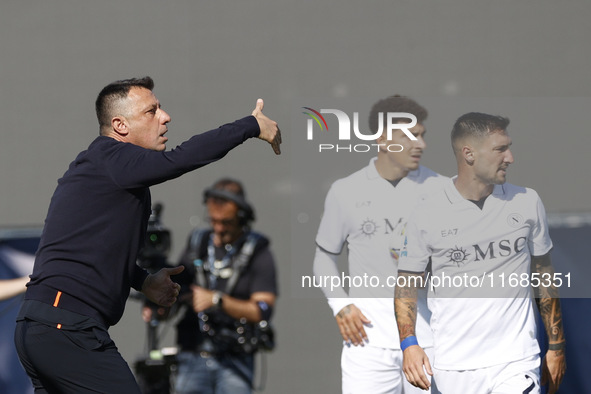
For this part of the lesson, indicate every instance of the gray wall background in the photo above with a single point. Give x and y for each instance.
(212, 60)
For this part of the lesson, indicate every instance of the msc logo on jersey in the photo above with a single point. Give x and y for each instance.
(491, 251)
(369, 227)
(458, 256)
(502, 248)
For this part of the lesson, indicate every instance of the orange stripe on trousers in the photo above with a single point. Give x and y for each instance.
(57, 298)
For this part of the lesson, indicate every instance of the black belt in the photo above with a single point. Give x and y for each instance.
(58, 317)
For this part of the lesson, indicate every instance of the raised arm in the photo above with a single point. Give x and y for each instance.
(547, 298)
(415, 360)
(133, 166)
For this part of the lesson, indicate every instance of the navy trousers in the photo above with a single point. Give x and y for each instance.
(77, 362)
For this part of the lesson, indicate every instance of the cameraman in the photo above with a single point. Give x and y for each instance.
(229, 287)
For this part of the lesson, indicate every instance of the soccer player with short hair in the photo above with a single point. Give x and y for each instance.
(367, 211)
(480, 227)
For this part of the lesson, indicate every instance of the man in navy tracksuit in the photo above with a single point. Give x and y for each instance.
(95, 226)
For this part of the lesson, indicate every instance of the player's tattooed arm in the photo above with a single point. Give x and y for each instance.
(547, 298)
(405, 304)
(415, 362)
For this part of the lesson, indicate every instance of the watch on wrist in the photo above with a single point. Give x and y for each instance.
(216, 299)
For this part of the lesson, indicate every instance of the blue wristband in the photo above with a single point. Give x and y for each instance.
(408, 341)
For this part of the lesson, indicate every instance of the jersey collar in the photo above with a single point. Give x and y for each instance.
(372, 171)
(455, 197)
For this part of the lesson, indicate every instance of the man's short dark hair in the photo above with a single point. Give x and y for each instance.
(232, 185)
(230, 190)
(477, 125)
(395, 103)
(105, 102)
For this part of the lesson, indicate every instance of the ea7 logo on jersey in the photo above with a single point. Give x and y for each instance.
(448, 232)
(363, 204)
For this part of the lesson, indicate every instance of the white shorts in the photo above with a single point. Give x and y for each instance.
(516, 377)
(376, 370)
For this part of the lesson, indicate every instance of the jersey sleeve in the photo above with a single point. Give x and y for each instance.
(325, 266)
(539, 240)
(332, 231)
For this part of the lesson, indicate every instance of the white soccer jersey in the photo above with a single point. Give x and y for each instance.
(369, 214)
(491, 244)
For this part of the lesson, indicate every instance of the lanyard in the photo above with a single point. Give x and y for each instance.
(219, 269)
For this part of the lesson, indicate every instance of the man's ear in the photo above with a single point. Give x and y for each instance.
(120, 125)
(468, 154)
(382, 142)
